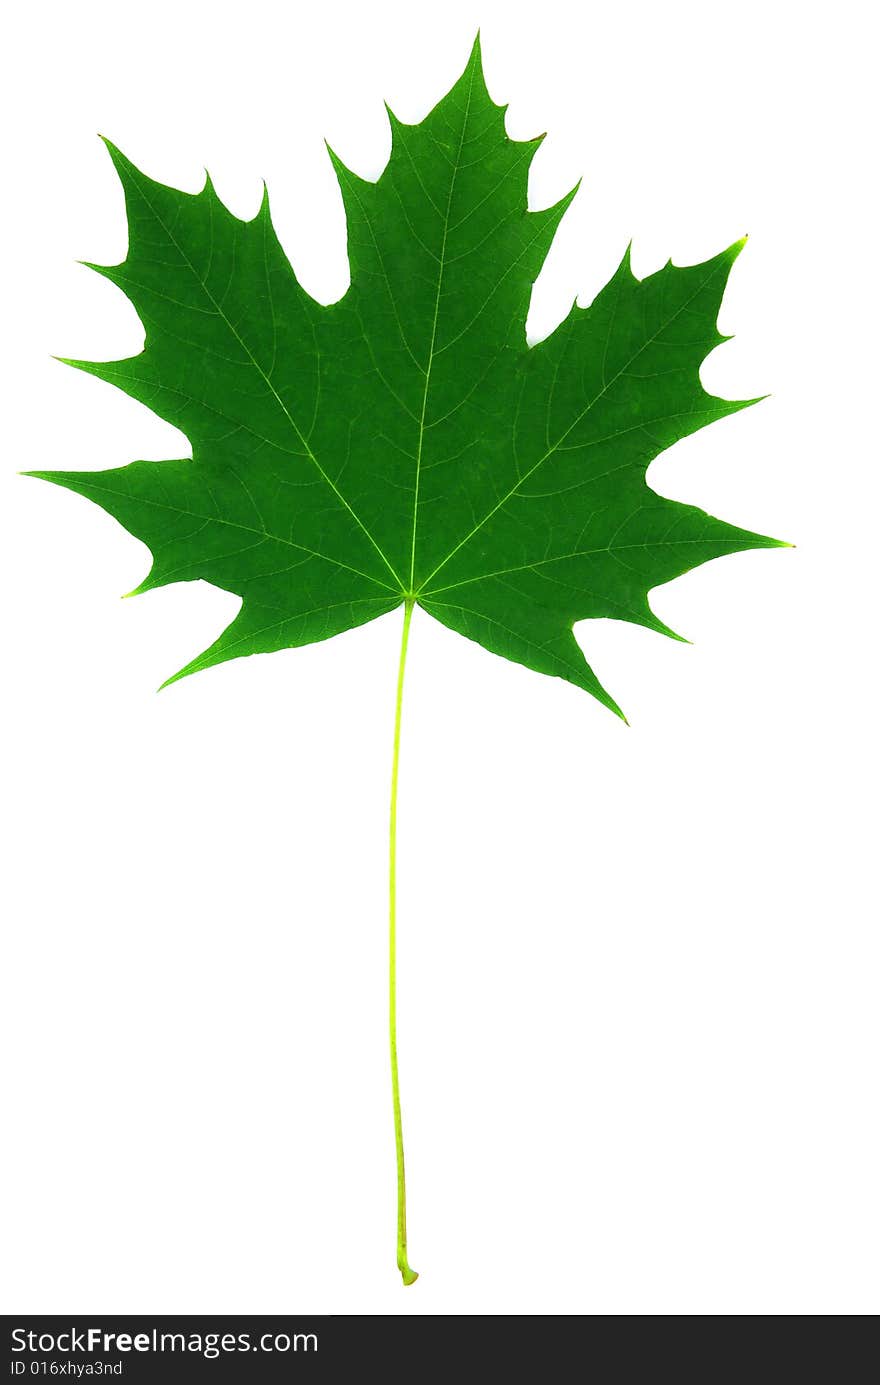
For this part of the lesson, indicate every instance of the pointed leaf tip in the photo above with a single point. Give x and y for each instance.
(112, 149)
(608, 701)
(334, 157)
(175, 678)
(105, 271)
(475, 62)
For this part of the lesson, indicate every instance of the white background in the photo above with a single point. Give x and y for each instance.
(638, 966)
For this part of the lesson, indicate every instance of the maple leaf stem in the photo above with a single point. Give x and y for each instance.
(409, 1276)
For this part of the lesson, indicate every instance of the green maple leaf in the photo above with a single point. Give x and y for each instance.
(405, 443)
(405, 446)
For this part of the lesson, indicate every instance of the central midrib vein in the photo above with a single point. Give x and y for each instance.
(430, 360)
